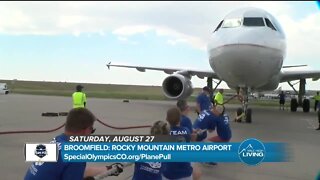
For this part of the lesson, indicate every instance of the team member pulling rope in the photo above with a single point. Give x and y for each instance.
(79, 122)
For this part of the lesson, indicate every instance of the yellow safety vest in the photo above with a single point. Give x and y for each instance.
(317, 97)
(219, 98)
(79, 98)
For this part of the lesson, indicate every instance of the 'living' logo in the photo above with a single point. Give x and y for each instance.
(251, 152)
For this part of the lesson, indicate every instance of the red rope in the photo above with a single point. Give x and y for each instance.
(52, 130)
(35, 131)
(121, 128)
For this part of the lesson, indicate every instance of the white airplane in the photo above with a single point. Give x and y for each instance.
(246, 51)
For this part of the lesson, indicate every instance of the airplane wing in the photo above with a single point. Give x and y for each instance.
(291, 66)
(198, 73)
(296, 75)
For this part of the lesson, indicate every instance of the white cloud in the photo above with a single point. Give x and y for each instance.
(181, 38)
(302, 38)
(126, 40)
(172, 19)
(274, 8)
(192, 21)
(66, 21)
(161, 31)
(131, 30)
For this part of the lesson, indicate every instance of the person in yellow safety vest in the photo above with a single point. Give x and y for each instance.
(317, 100)
(79, 98)
(218, 98)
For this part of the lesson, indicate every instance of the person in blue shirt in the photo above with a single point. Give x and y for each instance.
(177, 170)
(203, 100)
(79, 122)
(211, 120)
(282, 100)
(222, 125)
(214, 119)
(151, 170)
(185, 109)
(186, 122)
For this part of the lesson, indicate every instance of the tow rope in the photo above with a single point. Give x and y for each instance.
(229, 99)
(53, 114)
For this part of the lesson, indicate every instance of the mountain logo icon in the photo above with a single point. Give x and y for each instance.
(251, 152)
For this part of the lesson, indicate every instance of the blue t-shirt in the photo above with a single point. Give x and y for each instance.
(186, 122)
(223, 127)
(147, 171)
(204, 102)
(282, 97)
(177, 170)
(207, 120)
(203, 124)
(56, 170)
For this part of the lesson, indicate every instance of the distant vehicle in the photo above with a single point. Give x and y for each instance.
(4, 88)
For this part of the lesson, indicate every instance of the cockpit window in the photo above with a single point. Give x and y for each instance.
(230, 23)
(218, 26)
(269, 24)
(253, 21)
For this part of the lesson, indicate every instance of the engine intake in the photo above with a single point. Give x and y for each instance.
(177, 86)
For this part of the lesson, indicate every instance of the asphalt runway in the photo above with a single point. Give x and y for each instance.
(23, 112)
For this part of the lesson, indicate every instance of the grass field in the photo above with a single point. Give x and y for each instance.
(108, 91)
(92, 90)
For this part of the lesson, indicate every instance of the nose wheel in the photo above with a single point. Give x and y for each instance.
(244, 113)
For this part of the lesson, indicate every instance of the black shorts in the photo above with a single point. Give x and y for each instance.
(281, 101)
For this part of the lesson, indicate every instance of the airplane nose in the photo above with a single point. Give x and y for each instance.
(248, 56)
(249, 65)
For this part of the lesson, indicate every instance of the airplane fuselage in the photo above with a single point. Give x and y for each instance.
(245, 52)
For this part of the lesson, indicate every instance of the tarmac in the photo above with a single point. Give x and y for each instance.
(23, 112)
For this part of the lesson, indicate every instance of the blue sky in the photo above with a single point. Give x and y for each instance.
(72, 41)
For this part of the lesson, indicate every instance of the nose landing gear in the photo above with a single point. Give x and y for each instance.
(244, 112)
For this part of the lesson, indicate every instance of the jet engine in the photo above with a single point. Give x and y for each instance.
(177, 86)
